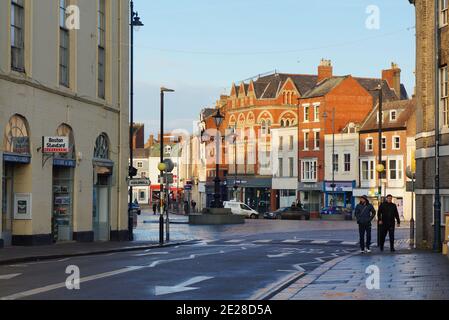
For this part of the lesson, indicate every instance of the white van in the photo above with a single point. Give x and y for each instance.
(240, 208)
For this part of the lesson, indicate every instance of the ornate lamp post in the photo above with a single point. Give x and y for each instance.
(218, 119)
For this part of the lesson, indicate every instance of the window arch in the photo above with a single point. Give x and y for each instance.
(282, 123)
(101, 150)
(64, 130)
(17, 137)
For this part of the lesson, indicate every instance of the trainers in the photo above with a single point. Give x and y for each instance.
(362, 251)
(368, 250)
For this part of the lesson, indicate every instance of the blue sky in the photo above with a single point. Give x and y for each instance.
(200, 47)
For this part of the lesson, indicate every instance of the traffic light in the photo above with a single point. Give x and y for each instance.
(132, 172)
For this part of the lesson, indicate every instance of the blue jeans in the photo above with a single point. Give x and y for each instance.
(365, 229)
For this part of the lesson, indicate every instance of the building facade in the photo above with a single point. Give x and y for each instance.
(340, 179)
(56, 80)
(285, 165)
(398, 132)
(428, 23)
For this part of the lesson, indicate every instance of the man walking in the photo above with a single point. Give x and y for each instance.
(388, 213)
(365, 213)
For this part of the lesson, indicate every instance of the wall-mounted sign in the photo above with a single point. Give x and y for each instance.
(55, 145)
(142, 182)
(22, 206)
(20, 145)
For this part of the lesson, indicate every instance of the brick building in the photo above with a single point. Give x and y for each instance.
(398, 148)
(426, 74)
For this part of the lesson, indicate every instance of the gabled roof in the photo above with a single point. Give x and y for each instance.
(405, 109)
(268, 87)
(324, 87)
(371, 85)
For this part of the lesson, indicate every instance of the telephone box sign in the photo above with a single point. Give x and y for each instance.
(56, 144)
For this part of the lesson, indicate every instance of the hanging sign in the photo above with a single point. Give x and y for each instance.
(55, 144)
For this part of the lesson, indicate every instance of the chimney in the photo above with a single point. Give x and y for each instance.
(393, 78)
(325, 70)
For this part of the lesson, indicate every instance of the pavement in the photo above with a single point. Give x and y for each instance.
(403, 275)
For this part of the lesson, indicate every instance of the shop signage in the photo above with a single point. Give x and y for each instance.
(20, 145)
(64, 163)
(55, 144)
(142, 182)
(188, 187)
(339, 186)
(16, 158)
(304, 186)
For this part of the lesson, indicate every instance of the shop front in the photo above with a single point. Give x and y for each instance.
(256, 192)
(339, 195)
(103, 170)
(64, 164)
(15, 161)
(310, 195)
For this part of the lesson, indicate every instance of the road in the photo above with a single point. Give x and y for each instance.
(224, 265)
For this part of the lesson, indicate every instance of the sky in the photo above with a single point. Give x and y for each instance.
(200, 47)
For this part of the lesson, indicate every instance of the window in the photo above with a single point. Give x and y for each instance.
(282, 123)
(101, 49)
(306, 113)
(291, 143)
(367, 170)
(317, 140)
(139, 165)
(17, 35)
(64, 46)
(395, 169)
(142, 195)
(396, 143)
(347, 162)
(309, 170)
(306, 140)
(281, 143)
(444, 93)
(393, 115)
(317, 113)
(383, 114)
(281, 167)
(384, 143)
(444, 13)
(287, 123)
(264, 127)
(335, 162)
(369, 144)
(291, 167)
(268, 127)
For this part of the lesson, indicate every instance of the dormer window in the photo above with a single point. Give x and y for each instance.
(393, 115)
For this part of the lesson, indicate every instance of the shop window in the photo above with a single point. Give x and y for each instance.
(17, 35)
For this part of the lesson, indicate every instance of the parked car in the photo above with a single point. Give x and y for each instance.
(240, 208)
(288, 213)
(334, 211)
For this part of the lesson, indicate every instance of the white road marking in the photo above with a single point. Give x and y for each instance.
(149, 254)
(9, 276)
(320, 242)
(263, 241)
(281, 255)
(235, 241)
(182, 287)
(349, 243)
(291, 241)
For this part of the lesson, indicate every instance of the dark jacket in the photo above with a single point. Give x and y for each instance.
(388, 213)
(365, 213)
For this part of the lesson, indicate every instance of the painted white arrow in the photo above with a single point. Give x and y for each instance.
(9, 276)
(182, 287)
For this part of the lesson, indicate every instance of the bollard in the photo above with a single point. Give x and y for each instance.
(161, 228)
(412, 233)
(446, 236)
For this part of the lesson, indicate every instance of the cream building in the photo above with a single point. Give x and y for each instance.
(59, 81)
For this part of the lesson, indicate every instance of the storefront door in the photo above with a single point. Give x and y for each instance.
(62, 221)
(101, 197)
(7, 200)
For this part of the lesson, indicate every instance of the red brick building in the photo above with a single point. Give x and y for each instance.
(277, 100)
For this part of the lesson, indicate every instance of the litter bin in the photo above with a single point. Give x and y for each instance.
(446, 236)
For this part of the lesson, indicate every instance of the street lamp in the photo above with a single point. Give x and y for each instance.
(135, 22)
(218, 119)
(380, 168)
(333, 185)
(162, 166)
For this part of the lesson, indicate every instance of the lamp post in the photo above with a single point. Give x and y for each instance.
(134, 23)
(380, 167)
(162, 167)
(235, 162)
(333, 185)
(218, 118)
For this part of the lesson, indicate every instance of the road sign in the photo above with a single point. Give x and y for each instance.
(188, 187)
(142, 182)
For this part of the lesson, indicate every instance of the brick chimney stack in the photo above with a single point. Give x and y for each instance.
(393, 77)
(325, 70)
